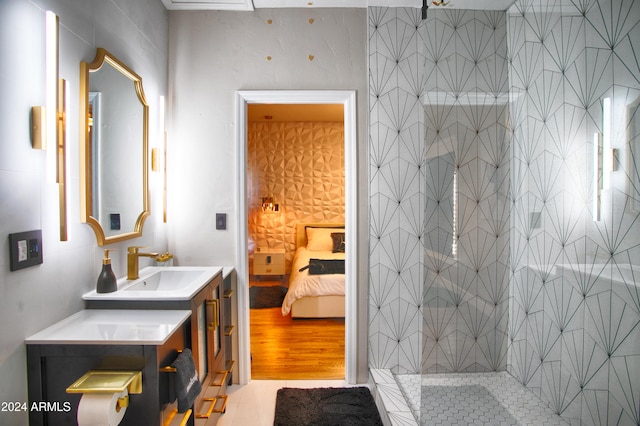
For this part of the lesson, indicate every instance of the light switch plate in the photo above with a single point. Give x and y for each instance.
(25, 249)
(221, 221)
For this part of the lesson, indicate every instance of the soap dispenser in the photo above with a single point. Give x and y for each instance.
(107, 282)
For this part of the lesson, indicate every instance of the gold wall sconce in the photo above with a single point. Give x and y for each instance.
(269, 205)
(154, 159)
(46, 127)
(39, 127)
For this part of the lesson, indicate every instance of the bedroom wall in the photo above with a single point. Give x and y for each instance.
(34, 298)
(300, 164)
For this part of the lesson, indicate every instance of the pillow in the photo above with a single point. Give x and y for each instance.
(319, 239)
(338, 242)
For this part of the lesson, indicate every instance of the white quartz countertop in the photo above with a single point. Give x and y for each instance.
(113, 327)
(200, 276)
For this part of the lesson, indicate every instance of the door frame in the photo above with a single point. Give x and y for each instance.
(348, 99)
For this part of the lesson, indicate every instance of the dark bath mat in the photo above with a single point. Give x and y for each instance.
(326, 407)
(266, 297)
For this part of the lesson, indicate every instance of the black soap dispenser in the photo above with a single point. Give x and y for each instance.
(107, 282)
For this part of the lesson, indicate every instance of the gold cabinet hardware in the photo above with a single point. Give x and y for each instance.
(214, 309)
(168, 369)
(224, 399)
(185, 417)
(228, 294)
(209, 411)
(229, 330)
(222, 375)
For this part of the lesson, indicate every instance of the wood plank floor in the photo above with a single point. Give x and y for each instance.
(287, 349)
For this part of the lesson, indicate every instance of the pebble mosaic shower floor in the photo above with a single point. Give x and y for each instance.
(474, 399)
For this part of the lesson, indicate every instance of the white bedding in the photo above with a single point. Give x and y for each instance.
(303, 284)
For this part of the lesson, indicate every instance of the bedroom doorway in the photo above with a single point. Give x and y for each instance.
(295, 179)
(346, 102)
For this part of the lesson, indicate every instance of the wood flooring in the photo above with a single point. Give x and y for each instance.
(286, 349)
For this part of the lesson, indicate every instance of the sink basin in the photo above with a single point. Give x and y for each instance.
(166, 280)
(160, 283)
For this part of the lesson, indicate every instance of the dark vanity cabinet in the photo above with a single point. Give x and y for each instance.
(206, 337)
(56, 360)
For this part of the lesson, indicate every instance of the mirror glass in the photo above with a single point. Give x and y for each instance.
(114, 157)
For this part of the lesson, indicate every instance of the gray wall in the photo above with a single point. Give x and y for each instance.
(34, 298)
(574, 326)
(215, 54)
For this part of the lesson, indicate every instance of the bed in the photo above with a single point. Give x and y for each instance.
(310, 295)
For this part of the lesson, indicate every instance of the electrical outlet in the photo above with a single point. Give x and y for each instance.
(25, 249)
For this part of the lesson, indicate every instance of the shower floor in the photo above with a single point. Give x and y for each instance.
(473, 399)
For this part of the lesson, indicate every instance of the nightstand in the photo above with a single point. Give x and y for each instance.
(268, 262)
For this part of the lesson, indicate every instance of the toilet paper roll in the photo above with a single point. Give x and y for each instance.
(100, 409)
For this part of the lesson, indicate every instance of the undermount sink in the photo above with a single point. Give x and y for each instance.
(165, 280)
(161, 283)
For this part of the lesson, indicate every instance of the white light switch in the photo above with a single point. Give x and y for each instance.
(22, 250)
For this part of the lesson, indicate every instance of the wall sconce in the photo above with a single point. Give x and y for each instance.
(607, 152)
(454, 242)
(39, 127)
(603, 158)
(597, 175)
(269, 206)
(53, 126)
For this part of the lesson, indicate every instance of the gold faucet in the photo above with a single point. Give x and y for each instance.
(132, 261)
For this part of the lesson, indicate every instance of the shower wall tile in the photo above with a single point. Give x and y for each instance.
(573, 324)
(434, 110)
(397, 150)
(466, 120)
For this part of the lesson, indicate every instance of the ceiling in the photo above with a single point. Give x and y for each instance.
(266, 4)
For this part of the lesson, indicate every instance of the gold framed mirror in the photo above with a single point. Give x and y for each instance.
(114, 149)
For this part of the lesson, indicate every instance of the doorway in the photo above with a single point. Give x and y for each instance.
(295, 178)
(347, 99)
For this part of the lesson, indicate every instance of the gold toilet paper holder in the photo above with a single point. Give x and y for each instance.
(108, 381)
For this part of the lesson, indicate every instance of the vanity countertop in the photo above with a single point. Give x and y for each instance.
(112, 326)
(127, 289)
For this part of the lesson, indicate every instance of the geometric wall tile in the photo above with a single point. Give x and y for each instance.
(564, 59)
(300, 164)
(515, 272)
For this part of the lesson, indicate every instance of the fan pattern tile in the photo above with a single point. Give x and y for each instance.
(437, 109)
(536, 286)
(574, 321)
(300, 164)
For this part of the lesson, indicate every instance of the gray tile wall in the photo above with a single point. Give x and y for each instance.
(438, 108)
(575, 310)
(524, 213)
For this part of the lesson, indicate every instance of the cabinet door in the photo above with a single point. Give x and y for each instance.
(212, 401)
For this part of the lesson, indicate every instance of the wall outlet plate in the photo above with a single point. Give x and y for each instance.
(25, 249)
